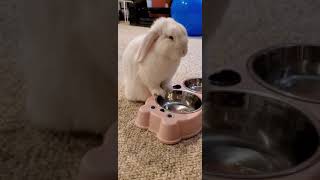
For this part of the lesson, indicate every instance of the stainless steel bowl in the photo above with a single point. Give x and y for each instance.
(194, 84)
(180, 102)
(247, 135)
(293, 71)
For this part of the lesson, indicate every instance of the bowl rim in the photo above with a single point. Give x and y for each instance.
(313, 159)
(189, 89)
(263, 83)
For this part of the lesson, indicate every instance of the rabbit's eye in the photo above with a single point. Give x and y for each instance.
(171, 37)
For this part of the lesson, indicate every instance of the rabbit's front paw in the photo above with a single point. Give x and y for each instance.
(166, 86)
(158, 92)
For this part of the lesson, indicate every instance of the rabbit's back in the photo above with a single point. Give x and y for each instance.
(129, 63)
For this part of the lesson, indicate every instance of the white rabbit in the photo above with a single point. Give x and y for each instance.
(151, 60)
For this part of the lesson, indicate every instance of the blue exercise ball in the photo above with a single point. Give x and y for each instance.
(189, 14)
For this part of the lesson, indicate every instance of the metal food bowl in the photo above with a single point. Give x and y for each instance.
(180, 102)
(194, 84)
(247, 135)
(292, 70)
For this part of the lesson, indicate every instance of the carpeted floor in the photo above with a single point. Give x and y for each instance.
(141, 156)
(27, 153)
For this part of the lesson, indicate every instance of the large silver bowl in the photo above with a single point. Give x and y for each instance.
(293, 71)
(180, 102)
(247, 135)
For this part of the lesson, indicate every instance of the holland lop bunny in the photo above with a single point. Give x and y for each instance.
(151, 60)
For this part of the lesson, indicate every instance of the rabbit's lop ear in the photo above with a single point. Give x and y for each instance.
(146, 45)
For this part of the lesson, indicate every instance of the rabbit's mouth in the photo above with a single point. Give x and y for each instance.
(184, 52)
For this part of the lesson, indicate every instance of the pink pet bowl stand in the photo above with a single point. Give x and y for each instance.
(172, 126)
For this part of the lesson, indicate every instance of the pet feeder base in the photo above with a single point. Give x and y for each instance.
(169, 127)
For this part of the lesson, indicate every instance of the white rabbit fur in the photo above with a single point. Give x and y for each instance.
(151, 60)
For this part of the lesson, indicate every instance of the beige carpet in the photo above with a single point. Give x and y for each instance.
(141, 155)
